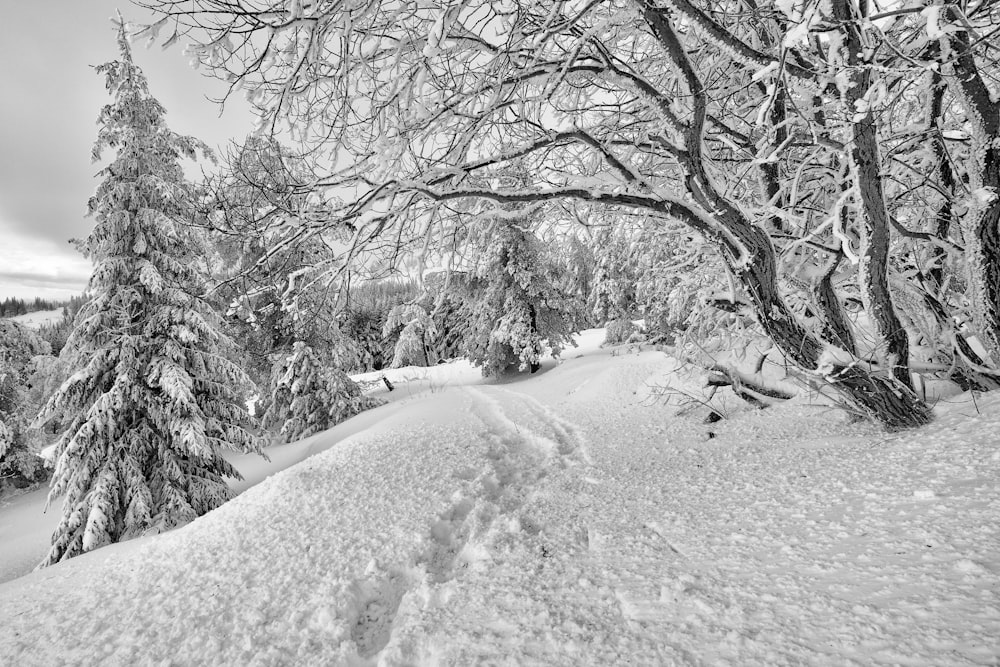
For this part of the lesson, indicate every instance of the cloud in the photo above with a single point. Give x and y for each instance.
(32, 266)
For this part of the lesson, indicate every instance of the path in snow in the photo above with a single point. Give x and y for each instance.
(462, 539)
(790, 538)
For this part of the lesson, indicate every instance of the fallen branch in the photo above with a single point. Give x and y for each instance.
(750, 388)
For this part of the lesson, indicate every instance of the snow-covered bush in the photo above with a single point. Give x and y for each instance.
(619, 331)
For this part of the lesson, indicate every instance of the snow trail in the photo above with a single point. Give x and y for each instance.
(463, 537)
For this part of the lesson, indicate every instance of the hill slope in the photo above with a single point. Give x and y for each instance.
(562, 519)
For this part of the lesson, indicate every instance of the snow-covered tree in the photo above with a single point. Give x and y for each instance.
(6, 438)
(154, 399)
(612, 295)
(20, 347)
(414, 331)
(513, 313)
(790, 137)
(310, 394)
(573, 252)
(287, 316)
(364, 314)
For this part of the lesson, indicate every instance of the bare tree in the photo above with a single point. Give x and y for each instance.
(661, 108)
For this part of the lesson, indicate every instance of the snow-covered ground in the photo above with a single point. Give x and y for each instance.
(39, 318)
(564, 518)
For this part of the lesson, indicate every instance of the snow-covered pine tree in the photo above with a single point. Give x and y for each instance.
(612, 298)
(154, 399)
(515, 311)
(309, 395)
(414, 330)
(612, 290)
(20, 348)
(6, 438)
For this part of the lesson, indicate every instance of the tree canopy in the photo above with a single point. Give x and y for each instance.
(831, 153)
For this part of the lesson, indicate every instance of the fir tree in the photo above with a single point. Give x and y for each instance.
(515, 311)
(414, 330)
(6, 438)
(154, 399)
(20, 349)
(309, 395)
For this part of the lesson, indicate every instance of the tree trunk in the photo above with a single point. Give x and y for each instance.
(981, 224)
(873, 217)
(747, 251)
(882, 399)
(836, 328)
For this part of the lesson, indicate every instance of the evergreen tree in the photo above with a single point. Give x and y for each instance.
(309, 395)
(612, 295)
(20, 348)
(515, 311)
(414, 331)
(154, 399)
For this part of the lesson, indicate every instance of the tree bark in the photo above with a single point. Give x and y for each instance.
(836, 328)
(882, 399)
(981, 224)
(873, 218)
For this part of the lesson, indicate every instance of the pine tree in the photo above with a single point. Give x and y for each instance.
(414, 330)
(20, 348)
(309, 395)
(612, 295)
(6, 438)
(515, 312)
(154, 399)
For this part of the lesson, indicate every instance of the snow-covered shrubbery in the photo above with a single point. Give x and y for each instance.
(620, 331)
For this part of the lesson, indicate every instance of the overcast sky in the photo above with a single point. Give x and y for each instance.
(50, 97)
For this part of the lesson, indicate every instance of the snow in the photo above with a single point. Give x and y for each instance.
(560, 518)
(932, 13)
(984, 196)
(39, 318)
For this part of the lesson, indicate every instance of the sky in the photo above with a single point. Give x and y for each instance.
(50, 97)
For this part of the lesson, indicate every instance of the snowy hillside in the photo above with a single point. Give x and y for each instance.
(40, 318)
(564, 518)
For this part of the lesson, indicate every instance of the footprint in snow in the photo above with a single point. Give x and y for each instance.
(377, 601)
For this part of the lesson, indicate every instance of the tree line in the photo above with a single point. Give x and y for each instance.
(12, 306)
